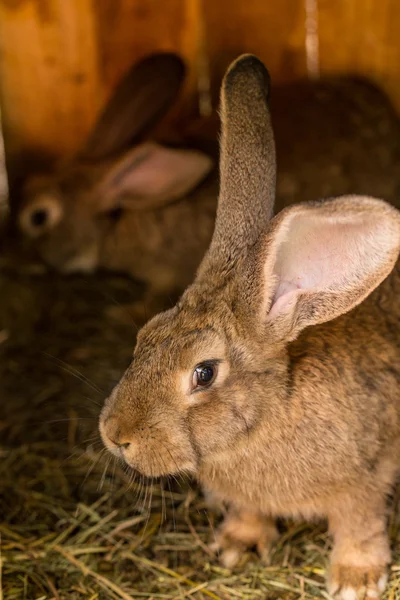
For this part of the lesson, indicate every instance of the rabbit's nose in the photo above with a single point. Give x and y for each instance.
(122, 445)
(115, 435)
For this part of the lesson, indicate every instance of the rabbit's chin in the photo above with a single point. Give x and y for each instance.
(144, 479)
(187, 469)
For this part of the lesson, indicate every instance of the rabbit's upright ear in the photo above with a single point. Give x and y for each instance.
(247, 164)
(141, 98)
(151, 176)
(320, 260)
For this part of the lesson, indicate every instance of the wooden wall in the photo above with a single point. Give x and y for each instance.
(363, 37)
(60, 59)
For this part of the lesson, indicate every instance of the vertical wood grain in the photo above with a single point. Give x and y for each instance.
(272, 30)
(362, 37)
(49, 80)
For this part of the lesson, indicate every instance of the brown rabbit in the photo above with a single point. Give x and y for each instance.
(275, 379)
(148, 211)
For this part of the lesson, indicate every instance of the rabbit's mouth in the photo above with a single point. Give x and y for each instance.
(84, 262)
(151, 473)
(146, 460)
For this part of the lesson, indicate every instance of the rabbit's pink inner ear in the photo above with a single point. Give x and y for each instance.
(326, 259)
(151, 175)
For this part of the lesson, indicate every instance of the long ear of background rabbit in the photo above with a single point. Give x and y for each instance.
(129, 115)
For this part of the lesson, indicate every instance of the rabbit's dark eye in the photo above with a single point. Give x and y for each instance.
(204, 375)
(115, 214)
(39, 217)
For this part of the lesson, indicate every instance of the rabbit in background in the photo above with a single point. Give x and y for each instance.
(275, 378)
(124, 203)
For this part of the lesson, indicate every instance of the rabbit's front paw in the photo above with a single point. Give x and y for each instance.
(241, 531)
(354, 583)
(361, 549)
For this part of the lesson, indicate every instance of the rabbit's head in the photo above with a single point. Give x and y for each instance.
(212, 370)
(69, 215)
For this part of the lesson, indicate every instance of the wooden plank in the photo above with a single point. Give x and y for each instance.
(48, 73)
(361, 37)
(274, 31)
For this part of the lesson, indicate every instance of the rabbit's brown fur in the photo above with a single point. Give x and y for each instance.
(297, 421)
